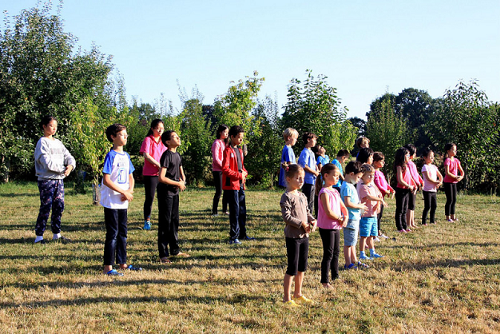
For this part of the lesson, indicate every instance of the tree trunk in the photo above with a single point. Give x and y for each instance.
(96, 192)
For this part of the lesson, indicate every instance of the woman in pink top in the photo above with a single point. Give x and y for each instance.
(451, 168)
(332, 216)
(382, 185)
(218, 148)
(403, 188)
(152, 148)
(417, 180)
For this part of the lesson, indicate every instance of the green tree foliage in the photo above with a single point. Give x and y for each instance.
(466, 118)
(313, 106)
(386, 129)
(39, 75)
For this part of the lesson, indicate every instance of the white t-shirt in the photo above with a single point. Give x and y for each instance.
(118, 166)
(432, 172)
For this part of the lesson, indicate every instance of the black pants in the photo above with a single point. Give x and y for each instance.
(297, 251)
(331, 250)
(450, 190)
(402, 197)
(237, 213)
(308, 190)
(218, 192)
(168, 224)
(430, 203)
(116, 236)
(379, 219)
(150, 184)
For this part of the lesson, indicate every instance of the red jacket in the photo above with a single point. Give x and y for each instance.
(230, 175)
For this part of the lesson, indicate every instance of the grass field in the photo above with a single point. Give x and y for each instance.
(439, 279)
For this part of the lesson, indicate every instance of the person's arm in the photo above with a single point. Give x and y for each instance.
(126, 194)
(164, 179)
(447, 169)
(439, 176)
(217, 147)
(462, 174)
(377, 180)
(349, 204)
(399, 176)
(151, 160)
(226, 166)
(43, 156)
(427, 176)
(286, 213)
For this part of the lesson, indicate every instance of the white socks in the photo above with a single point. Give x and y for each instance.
(38, 238)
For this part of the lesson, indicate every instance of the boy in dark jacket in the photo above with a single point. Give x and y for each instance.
(233, 183)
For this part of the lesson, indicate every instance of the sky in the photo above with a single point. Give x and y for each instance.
(365, 48)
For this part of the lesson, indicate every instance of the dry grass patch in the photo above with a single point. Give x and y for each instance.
(440, 279)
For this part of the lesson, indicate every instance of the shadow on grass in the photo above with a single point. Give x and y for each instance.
(443, 263)
(11, 195)
(434, 246)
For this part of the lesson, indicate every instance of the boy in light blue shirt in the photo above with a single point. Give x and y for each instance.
(351, 200)
(307, 160)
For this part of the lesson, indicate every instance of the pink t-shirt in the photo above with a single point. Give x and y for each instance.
(381, 182)
(155, 150)
(432, 172)
(407, 178)
(363, 191)
(324, 221)
(218, 148)
(453, 163)
(414, 173)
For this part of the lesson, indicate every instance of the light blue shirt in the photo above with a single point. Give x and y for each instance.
(337, 163)
(306, 158)
(348, 189)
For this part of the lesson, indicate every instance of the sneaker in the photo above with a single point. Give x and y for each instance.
(291, 303)
(383, 236)
(234, 242)
(132, 268)
(113, 272)
(180, 254)
(424, 224)
(352, 266)
(363, 257)
(147, 225)
(376, 239)
(247, 238)
(226, 213)
(362, 265)
(303, 300)
(402, 231)
(376, 256)
(408, 230)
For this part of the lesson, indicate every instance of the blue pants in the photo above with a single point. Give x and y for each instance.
(237, 213)
(51, 196)
(116, 236)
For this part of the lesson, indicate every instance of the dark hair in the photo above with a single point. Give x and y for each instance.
(448, 147)
(235, 130)
(367, 168)
(154, 124)
(315, 149)
(364, 154)
(324, 170)
(343, 153)
(113, 130)
(378, 156)
(308, 135)
(221, 129)
(291, 169)
(411, 148)
(353, 167)
(46, 120)
(166, 136)
(426, 152)
(399, 159)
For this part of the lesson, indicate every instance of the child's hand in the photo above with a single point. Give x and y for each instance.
(127, 196)
(363, 207)
(68, 170)
(314, 223)
(182, 185)
(306, 227)
(346, 219)
(384, 203)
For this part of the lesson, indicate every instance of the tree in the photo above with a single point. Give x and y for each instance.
(313, 106)
(39, 75)
(358, 123)
(466, 118)
(386, 129)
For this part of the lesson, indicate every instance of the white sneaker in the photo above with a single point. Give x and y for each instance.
(376, 239)
(384, 236)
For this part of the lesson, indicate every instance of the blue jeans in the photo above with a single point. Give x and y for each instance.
(237, 213)
(116, 236)
(51, 196)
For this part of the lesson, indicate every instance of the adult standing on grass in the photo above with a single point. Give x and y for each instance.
(451, 169)
(53, 163)
(218, 148)
(152, 148)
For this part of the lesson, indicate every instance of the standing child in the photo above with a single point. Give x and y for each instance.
(403, 188)
(116, 191)
(218, 148)
(365, 156)
(451, 168)
(299, 223)
(382, 185)
(342, 156)
(172, 179)
(417, 180)
(369, 195)
(332, 216)
(432, 180)
(321, 160)
(287, 155)
(152, 148)
(308, 162)
(233, 182)
(53, 163)
(350, 197)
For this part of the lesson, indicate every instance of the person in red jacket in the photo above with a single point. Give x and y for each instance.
(233, 183)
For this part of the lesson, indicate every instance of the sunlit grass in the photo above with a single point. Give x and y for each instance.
(440, 279)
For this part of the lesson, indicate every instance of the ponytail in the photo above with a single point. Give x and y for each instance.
(328, 168)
